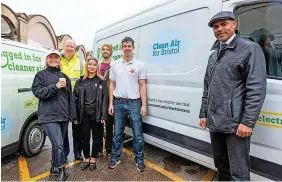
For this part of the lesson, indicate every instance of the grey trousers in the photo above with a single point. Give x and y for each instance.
(231, 156)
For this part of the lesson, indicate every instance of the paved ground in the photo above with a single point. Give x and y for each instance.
(161, 166)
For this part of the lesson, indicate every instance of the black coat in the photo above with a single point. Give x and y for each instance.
(101, 109)
(55, 104)
(234, 86)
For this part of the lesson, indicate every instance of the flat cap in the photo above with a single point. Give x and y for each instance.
(223, 15)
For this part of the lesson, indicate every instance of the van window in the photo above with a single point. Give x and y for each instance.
(262, 23)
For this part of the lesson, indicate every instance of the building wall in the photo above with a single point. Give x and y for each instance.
(40, 34)
(33, 29)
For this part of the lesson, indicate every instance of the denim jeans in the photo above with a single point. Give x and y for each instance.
(122, 109)
(231, 156)
(66, 144)
(56, 132)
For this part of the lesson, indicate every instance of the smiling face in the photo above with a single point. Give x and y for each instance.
(92, 66)
(127, 48)
(106, 53)
(224, 29)
(69, 48)
(53, 60)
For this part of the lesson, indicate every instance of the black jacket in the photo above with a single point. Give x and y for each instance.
(102, 100)
(234, 86)
(55, 104)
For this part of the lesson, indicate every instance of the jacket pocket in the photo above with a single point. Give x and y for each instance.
(231, 109)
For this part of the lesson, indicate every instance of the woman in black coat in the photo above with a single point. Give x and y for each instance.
(91, 102)
(56, 108)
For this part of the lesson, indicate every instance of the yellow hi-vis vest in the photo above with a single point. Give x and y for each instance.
(73, 68)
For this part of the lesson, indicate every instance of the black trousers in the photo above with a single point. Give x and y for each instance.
(231, 156)
(77, 139)
(101, 136)
(109, 133)
(89, 124)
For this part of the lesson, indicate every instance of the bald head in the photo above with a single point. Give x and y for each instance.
(69, 48)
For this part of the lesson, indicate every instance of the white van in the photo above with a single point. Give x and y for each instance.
(174, 41)
(19, 126)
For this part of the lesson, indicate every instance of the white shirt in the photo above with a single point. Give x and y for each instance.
(127, 76)
(228, 41)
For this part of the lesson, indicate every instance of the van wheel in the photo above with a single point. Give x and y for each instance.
(33, 139)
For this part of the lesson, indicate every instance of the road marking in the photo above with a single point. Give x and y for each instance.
(46, 174)
(208, 176)
(23, 169)
(157, 168)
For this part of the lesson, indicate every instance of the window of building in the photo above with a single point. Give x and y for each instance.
(5, 29)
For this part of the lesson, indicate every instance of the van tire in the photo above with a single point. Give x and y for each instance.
(33, 139)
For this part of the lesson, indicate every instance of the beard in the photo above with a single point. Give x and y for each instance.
(106, 56)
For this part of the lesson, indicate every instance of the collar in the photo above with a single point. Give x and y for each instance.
(63, 56)
(230, 45)
(53, 69)
(230, 39)
(125, 62)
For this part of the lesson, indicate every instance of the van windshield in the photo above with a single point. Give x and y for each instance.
(262, 23)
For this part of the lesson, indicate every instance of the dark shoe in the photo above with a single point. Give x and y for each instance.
(66, 159)
(63, 175)
(84, 165)
(141, 167)
(54, 170)
(114, 164)
(92, 166)
(78, 157)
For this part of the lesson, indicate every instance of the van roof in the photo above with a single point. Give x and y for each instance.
(22, 45)
(137, 14)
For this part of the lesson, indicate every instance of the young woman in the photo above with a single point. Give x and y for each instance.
(91, 102)
(56, 108)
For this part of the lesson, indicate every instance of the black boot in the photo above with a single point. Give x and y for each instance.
(53, 169)
(63, 174)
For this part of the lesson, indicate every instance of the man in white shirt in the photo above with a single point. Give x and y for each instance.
(127, 94)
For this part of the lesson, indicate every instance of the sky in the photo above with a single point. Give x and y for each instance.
(80, 18)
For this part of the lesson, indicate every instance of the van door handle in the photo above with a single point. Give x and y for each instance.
(24, 90)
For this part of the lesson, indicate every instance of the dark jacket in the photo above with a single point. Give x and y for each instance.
(234, 86)
(102, 100)
(55, 104)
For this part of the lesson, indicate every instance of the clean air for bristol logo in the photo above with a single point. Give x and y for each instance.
(168, 46)
(162, 49)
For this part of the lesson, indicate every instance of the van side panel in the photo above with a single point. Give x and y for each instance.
(176, 49)
(33, 63)
(9, 96)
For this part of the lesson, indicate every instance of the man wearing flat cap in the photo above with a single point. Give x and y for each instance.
(234, 92)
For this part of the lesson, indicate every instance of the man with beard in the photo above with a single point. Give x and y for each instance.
(73, 68)
(234, 92)
(106, 51)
